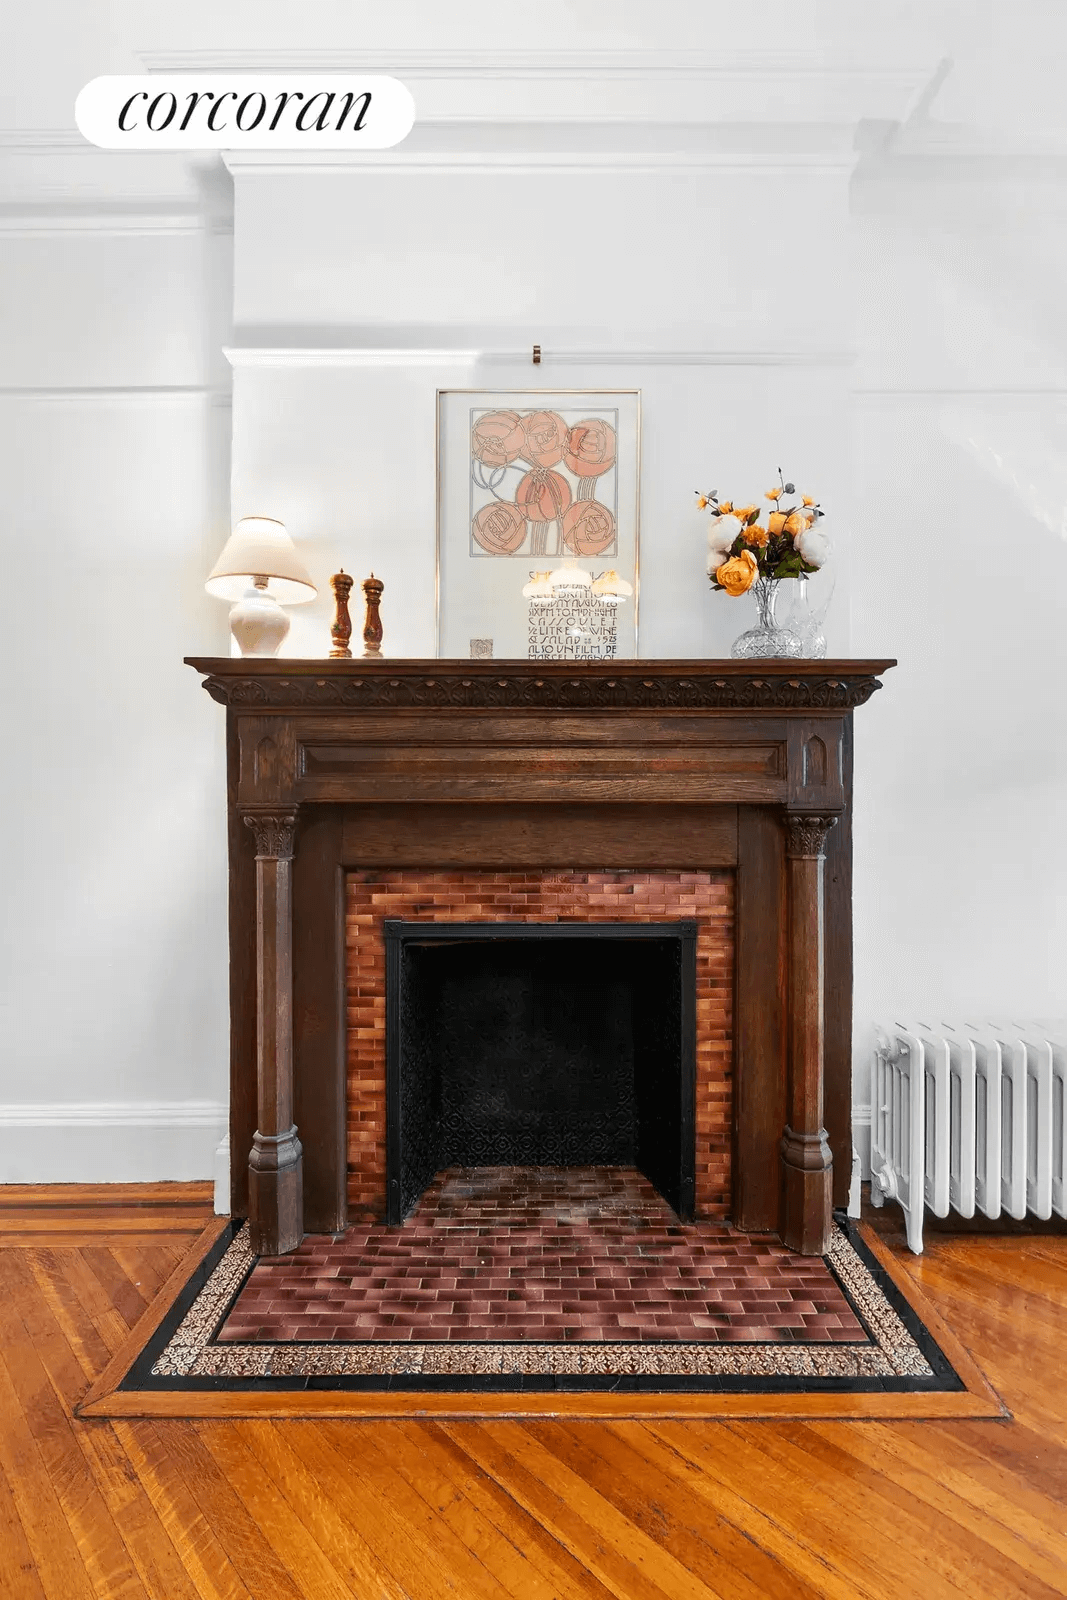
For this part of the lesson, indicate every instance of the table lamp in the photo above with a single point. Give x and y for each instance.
(259, 570)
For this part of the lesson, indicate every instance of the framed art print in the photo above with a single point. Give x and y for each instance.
(537, 523)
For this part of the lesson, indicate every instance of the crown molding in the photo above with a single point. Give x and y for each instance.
(974, 395)
(122, 394)
(351, 357)
(575, 163)
(601, 85)
(104, 221)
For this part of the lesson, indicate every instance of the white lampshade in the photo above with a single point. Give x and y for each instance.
(259, 547)
(570, 579)
(539, 589)
(610, 589)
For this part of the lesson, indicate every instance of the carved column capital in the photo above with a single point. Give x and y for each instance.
(274, 830)
(805, 833)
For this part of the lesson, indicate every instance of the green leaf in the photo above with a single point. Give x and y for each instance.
(753, 516)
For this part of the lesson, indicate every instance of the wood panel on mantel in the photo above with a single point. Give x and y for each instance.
(554, 1509)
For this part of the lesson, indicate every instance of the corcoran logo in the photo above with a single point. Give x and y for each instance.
(191, 111)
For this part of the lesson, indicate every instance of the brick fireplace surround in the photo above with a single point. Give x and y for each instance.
(481, 791)
(579, 897)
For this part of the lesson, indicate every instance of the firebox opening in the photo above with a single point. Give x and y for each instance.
(540, 1044)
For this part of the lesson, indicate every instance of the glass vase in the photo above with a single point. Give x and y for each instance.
(769, 637)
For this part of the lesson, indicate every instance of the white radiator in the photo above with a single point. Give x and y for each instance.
(968, 1117)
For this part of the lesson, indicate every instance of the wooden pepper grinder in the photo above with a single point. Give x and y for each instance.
(341, 632)
(372, 628)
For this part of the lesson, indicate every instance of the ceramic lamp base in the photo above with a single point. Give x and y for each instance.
(258, 623)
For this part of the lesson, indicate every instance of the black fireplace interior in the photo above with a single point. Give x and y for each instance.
(540, 1044)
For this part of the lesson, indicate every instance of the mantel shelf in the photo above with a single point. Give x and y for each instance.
(267, 683)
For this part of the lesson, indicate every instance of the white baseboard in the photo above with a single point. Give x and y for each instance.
(129, 1141)
(222, 1177)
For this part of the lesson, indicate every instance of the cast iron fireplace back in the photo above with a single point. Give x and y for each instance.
(540, 1044)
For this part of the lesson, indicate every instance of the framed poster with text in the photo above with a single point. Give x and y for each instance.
(538, 490)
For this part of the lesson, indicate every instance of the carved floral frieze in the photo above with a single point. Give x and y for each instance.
(816, 691)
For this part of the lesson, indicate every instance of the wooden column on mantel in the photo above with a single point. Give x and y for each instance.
(647, 765)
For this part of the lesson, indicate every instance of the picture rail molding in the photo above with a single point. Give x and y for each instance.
(440, 356)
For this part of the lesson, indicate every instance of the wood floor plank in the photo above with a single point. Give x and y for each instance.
(621, 1555)
(326, 1517)
(147, 1269)
(53, 1283)
(980, 1512)
(251, 1555)
(464, 1565)
(1027, 1466)
(292, 1543)
(922, 1540)
(116, 1199)
(151, 1548)
(395, 1545)
(569, 1578)
(706, 1543)
(33, 1349)
(409, 1455)
(51, 1541)
(18, 1569)
(189, 1530)
(127, 1300)
(803, 1507)
(799, 1559)
(971, 1557)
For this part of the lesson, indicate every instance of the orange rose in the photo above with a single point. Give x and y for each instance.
(795, 523)
(776, 522)
(756, 534)
(738, 574)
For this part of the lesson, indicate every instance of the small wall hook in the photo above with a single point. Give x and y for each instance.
(537, 355)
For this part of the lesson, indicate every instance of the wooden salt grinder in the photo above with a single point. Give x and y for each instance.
(341, 632)
(372, 628)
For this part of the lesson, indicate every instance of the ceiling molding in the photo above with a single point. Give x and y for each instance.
(106, 222)
(584, 63)
(602, 85)
(76, 394)
(976, 393)
(573, 163)
(338, 356)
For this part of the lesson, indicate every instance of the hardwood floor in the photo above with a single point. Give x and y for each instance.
(550, 1510)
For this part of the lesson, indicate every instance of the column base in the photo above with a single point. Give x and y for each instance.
(276, 1193)
(807, 1192)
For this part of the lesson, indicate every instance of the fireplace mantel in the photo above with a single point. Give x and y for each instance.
(342, 764)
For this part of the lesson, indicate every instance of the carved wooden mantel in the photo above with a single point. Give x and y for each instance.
(335, 764)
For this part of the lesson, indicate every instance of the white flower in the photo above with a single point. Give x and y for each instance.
(722, 533)
(813, 545)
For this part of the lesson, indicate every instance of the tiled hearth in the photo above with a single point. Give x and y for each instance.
(537, 897)
(547, 1254)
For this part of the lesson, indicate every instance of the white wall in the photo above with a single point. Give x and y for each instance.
(114, 454)
(894, 337)
(959, 547)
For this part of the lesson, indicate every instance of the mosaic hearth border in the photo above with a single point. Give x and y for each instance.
(899, 1355)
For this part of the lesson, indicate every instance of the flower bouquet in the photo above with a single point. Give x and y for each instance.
(745, 553)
